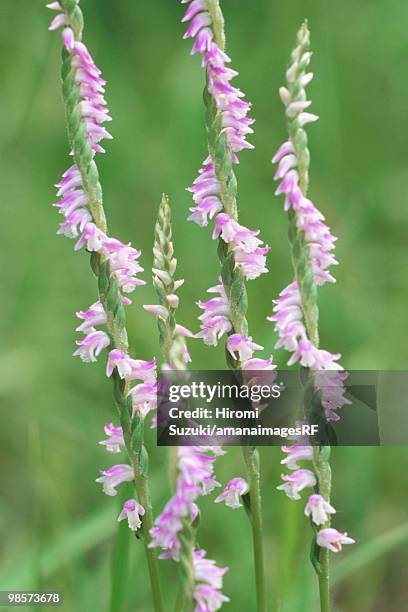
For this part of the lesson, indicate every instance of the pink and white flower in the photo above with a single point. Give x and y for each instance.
(132, 511)
(235, 489)
(295, 453)
(319, 509)
(332, 539)
(115, 442)
(242, 348)
(296, 482)
(93, 316)
(92, 345)
(114, 476)
(195, 478)
(215, 320)
(209, 581)
(144, 398)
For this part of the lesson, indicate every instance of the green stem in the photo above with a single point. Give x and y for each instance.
(142, 486)
(252, 461)
(172, 347)
(322, 468)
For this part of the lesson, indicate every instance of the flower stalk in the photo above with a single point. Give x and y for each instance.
(84, 136)
(174, 530)
(296, 313)
(175, 354)
(308, 293)
(240, 252)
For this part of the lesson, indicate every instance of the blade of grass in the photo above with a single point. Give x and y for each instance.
(71, 543)
(366, 553)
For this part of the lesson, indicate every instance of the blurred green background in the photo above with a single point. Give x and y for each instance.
(57, 529)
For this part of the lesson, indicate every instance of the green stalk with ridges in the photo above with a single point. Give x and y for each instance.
(172, 345)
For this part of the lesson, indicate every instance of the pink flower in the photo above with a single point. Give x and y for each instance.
(288, 319)
(259, 364)
(206, 191)
(215, 321)
(232, 493)
(74, 223)
(95, 315)
(92, 345)
(158, 310)
(144, 398)
(234, 233)
(209, 483)
(296, 482)
(92, 237)
(115, 441)
(131, 369)
(132, 511)
(242, 348)
(296, 453)
(114, 476)
(319, 509)
(195, 478)
(252, 264)
(123, 259)
(120, 360)
(332, 539)
(209, 580)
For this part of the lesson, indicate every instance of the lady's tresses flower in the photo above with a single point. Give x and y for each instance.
(235, 125)
(144, 398)
(227, 97)
(296, 482)
(91, 345)
(115, 441)
(209, 483)
(332, 539)
(319, 509)
(295, 453)
(288, 319)
(309, 220)
(123, 259)
(233, 233)
(242, 348)
(92, 86)
(252, 264)
(158, 310)
(132, 511)
(260, 364)
(332, 390)
(256, 371)
(208, 578)
(233, 492)
(131, 369)
(195, 478)
(114, 476)
(205, 190)
(215, 320)
(73, 203)
(248, 252)
(95, 315)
